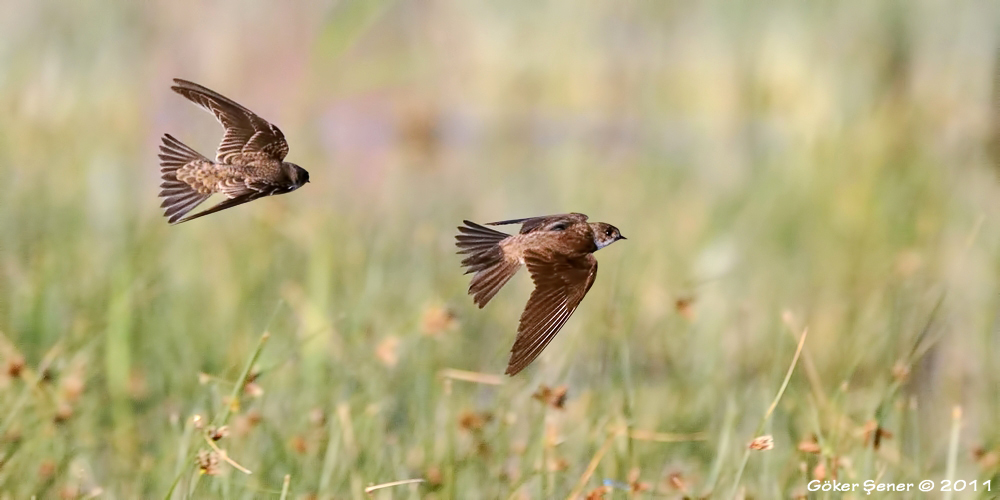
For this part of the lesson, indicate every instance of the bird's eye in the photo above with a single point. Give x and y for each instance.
(609, 232)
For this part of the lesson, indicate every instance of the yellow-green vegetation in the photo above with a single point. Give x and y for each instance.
(777, 167)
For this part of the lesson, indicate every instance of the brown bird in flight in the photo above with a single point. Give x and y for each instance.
(559, 252)
(248, 165)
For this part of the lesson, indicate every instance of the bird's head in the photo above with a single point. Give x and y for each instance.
(605, 234)
(298, 175)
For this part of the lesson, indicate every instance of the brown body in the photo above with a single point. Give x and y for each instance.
(248, 165)
(558, 252)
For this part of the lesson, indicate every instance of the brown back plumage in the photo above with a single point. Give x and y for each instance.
(557, 222)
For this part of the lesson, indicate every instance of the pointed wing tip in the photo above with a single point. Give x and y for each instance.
(189, 217)
(514, 367)
(182, 87)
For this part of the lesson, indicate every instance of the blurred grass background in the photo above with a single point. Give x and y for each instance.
(774, 164)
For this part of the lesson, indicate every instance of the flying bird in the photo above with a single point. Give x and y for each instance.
(248, 165)
(559, 253)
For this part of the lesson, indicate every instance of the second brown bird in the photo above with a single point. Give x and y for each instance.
(558, 251)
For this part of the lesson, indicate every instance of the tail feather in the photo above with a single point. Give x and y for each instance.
(488, 282)
(179, 197)
(474, 237)
(486, 259)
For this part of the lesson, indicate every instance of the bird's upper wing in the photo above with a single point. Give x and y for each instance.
(246, 133)
(546, 222)
(561, 282)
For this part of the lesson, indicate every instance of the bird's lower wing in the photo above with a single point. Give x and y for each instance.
(238, 193)
(560, 284)
(230, 203)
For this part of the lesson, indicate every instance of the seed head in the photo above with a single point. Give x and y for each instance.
(208, 462)
(810, 446)
(215, 434)
(554, 397)
(762, 443)
(437, 320)
(15, 366)
(472, 421)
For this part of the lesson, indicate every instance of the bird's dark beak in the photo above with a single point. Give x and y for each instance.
(620, 237)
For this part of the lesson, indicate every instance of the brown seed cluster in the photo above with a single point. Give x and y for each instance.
(685, 307)
(636, 486)
(987, 459)
(15, 366)
(762, 443)
(253, 390)
(810, 446)
(434, 476)
(63, 413)
(472, 421)
(216, 434)
(678, 483)
(874, 434)
(208, 462)
(598, 493)
(46, 469)
(554, 397)
(437, 321)
(317, 417)
(244, 423)
(298, 444)
(900, 371)
(387, 351)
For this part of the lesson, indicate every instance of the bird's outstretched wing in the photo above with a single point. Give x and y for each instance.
(247, 135)
(556, 222)
(561, 282)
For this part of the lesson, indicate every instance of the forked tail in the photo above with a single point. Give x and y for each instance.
(485, 258)
(179, 197)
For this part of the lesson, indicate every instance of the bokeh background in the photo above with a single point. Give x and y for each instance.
(776, 165)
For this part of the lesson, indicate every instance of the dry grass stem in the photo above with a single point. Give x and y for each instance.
(467, 376)
(666, 437)
(401, 482)
(592, 466)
